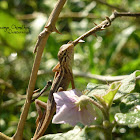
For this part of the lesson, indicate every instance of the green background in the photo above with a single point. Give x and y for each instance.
(115, 51)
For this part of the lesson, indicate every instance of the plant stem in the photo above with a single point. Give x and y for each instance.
(42, 39)
(108, 134)
(19, 133)
(105, 23)
(106, 116)
(4, 137)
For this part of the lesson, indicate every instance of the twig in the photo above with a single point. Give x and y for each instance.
(2, 82)
(9, 103)
(105, 113)
(4, 137)
(103, 78)
(126, 14)
(42, 39)
(104, 24)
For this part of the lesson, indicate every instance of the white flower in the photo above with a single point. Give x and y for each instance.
(73, 107)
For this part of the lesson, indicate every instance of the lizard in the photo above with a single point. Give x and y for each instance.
(63, 77)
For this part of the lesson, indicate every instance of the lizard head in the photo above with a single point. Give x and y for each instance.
(66, 52)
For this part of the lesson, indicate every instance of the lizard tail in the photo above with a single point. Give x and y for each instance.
(45, 121)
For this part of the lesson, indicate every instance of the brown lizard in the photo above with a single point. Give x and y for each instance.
(63, 76)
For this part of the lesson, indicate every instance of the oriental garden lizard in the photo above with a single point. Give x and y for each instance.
(63, 76)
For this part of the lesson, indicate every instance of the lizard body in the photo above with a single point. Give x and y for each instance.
(63, 76)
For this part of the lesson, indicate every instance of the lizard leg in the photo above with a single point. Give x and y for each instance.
(38, 105)
(49, 83)
(60, 89)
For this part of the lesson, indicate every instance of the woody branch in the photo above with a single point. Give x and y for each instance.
(105, 23)
(41, 42)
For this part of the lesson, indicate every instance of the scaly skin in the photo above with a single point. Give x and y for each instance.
(63, 76)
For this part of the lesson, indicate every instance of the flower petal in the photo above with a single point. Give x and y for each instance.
(88, 115)
(66, 115)
(67, 111)
(66, 97)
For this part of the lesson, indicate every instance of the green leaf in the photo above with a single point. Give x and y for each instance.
(76, 134)
(128, 85)
(103, 93)
(130, 102)
(108, 98)
(130, 108)
(106, 94)
(132, 118)
(96, 89)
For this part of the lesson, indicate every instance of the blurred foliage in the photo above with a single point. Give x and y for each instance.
(106, 95)
(115, 51)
